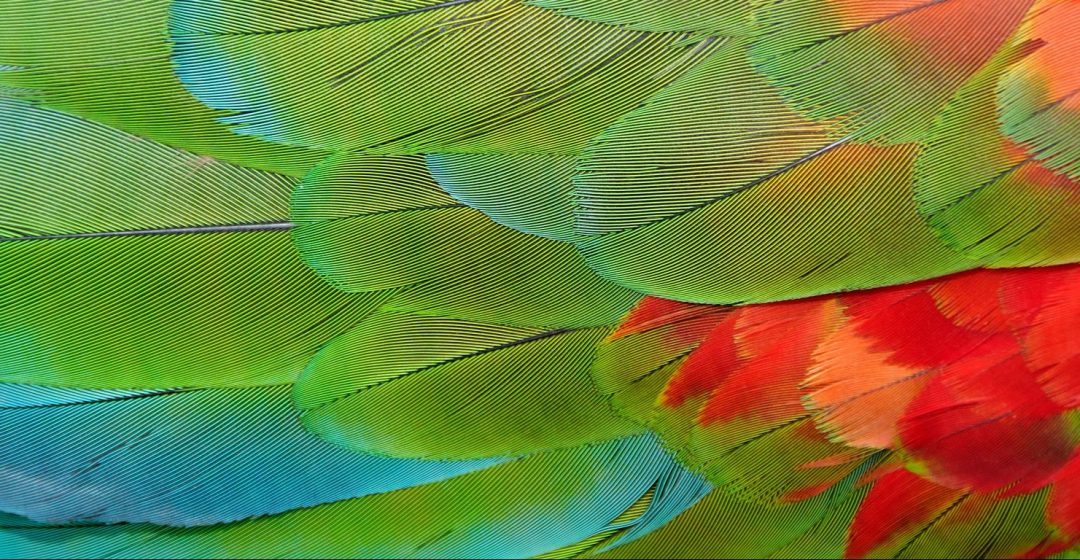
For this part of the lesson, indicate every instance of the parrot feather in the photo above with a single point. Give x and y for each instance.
(754, 203)
(181, 457)
(881, 70)
(437, 76)
(417, 386)
(532, 193)
(982, 191)
(128, 264)
(556, 498)
(1039, 97)
(938, 372)
(108, 60)
(722, 17)
(723, 526)
(382, 223)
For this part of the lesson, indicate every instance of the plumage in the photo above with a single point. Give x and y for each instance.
(128, 264)
(956, 378)
(181, 457)
(539, 278)
(530, 81)
(108, 60)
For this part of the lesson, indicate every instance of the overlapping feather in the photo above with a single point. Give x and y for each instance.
(435, 343)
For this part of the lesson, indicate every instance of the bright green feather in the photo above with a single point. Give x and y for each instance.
(422, 76)
(715, 191)
(723, 17)
(382, 223)
(880, 70)
(108, 60)
(532, 193)
(722, 526)
(414, 386)
(125, 263)
(984, 195)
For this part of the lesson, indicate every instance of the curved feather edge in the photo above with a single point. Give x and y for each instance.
(369, 223)
(108, 61)
(862, 65)
(983, 192)
(415, 386)
(719, 17)
(470, 76)
(525, 507)
(128, 264)
(179, 457)
(673, 206)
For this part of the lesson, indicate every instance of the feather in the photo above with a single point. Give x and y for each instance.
(905, 516)
(969, 381)
(370, 223)
(517, 509)
(983, 192)
(532, 193)
(108, 60)
(722, 17)
(752, 203)
(416, 386)
(468, 76)
(150, 267)
(1039, 97)
(881, 70)
(181, 457)
(722, 526)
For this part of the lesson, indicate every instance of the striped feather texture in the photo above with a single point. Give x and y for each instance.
(539, 278)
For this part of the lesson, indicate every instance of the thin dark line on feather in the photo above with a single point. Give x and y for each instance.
(384, 212)
(109, 399)
(660, 367)
(1020, 238)
(434, 540)
(548, 95)
(1056, 102)
(98, 64)
(31, 524)
(229, 228)
(766, 433)
(992, 181)
(419, 37)
(481, 352)
(733, 192)
(825, 265)
(422, 9)
(867, 25)
(930, 525)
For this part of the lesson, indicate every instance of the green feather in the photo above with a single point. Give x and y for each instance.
(415, 386)
(1037, 97)
(108, 60)
(381, 222)
(431, 75)
(989, 201)
(722, 526)
(881, 71)
(723, 17)
(126, 264)
(532, 193)
(714, 191)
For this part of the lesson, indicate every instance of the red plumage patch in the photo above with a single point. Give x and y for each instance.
(972, 380)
